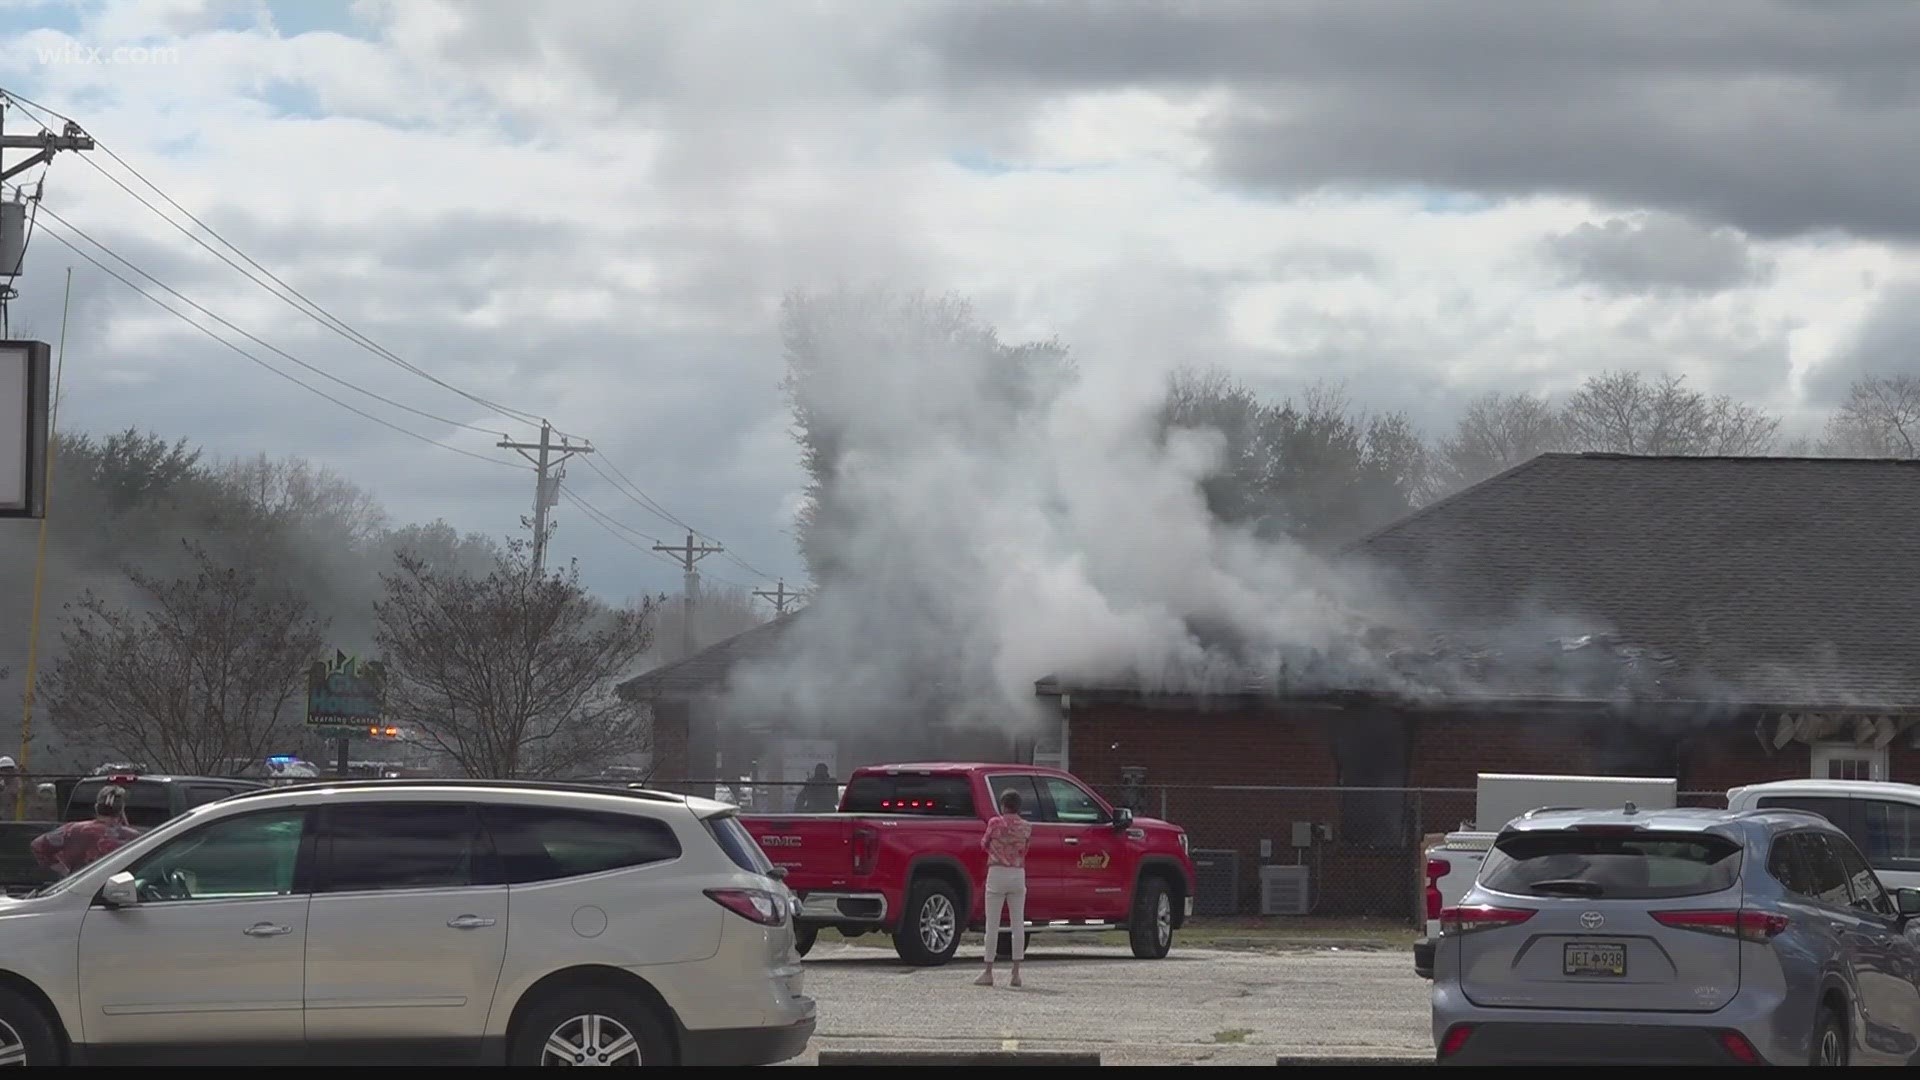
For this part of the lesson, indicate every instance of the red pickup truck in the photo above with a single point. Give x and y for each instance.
(903, 855)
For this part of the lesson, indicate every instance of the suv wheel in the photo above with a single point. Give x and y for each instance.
(804, 937)
(1150, 931)
(929, 930)
(1830, 1039)
(592, 1027)
(26, 1036)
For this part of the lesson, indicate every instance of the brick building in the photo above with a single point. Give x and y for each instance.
(1719, 620)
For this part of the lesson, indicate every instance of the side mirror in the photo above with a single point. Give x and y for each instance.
(1123, 818)
(120, 891)
(777, 873)
(1908, 901)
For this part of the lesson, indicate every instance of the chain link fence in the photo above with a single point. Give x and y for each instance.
(1259, 852)
(1344, 853)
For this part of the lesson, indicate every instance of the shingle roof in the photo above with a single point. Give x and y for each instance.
(1780, 581)
(706, 671)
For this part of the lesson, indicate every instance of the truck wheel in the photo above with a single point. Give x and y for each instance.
(1150, 931)
(804, 937)
(929, 930)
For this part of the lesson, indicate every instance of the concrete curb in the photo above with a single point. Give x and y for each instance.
(958, 1057)
(1351, 1059)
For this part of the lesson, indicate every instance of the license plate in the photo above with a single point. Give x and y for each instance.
(1596, 961)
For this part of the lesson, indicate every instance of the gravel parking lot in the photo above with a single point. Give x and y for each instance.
(1201, 1007)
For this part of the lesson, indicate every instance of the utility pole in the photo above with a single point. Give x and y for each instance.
(13, 215)
(779, 597)
(688, 554)
(546, 490)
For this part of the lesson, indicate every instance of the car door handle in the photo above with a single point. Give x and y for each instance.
(1071, 841)
(468, 922)
(267, 929)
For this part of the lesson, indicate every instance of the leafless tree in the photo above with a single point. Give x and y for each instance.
(1496, 432)
(1880, 418)
(205, 672)
(719, 612)
(297, 492)
(1620, 412)
(510, 674)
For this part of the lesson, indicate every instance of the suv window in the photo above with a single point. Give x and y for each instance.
(739, 844)
(254, 855)
(1030, 807)
(1867, 893)
(1641, 865)
(1071, 803)
(941, 795)
(1807, 865)
(1891, 834)
(372, 847)
(202, 794)
(537, 843)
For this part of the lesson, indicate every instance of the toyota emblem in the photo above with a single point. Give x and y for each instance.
(1592, 920)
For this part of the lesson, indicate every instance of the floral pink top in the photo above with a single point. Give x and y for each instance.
(1006, 840)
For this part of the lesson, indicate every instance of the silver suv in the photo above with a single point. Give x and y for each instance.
(413, 921)
(1677, 937)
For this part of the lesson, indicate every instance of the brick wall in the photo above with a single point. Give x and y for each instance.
(1368, 868)
(670, 751)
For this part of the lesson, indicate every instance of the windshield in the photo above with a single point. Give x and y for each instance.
(1601, 866)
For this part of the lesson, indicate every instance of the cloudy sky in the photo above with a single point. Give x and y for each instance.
(589, 211)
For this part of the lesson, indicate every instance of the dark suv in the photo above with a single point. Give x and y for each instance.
(154, 800)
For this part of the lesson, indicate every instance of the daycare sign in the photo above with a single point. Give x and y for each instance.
(345, 691)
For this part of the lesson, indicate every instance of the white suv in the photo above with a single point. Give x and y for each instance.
(428, 921)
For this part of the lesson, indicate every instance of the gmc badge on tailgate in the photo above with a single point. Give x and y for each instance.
(780, 841)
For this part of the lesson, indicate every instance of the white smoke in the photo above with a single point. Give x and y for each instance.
(990, 529)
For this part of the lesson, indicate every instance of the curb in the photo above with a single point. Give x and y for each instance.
(1350, 1059)
(958, 1057)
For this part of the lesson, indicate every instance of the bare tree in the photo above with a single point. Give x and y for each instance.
(208, 672)
(294, 491)
(719, 613)
(1496, 432)
(511, 674)
(1880, 418)
(1620, 412)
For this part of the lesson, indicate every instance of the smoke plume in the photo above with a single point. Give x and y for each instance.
(986, 515)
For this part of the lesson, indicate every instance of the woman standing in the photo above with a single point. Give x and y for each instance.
(1008, 835)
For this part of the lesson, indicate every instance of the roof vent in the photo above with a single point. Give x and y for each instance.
(1632, 809)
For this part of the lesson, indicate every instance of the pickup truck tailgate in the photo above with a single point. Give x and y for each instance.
(815, 849)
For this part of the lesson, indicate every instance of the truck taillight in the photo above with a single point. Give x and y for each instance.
(1436, 869)
(866, 846)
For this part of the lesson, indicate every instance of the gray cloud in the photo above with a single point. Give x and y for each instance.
(1778, 116)
(1659, 254)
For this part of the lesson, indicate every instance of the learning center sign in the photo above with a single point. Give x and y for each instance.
(345, 691)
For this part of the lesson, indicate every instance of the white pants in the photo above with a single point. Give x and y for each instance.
(1007, 885)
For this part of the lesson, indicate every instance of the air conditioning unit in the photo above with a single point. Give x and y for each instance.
(1216, 881)
(1283, 890)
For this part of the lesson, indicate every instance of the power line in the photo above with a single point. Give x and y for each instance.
(618, 528)
(623, 484)
(319, 314)
(323, 373)
(164, 306)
